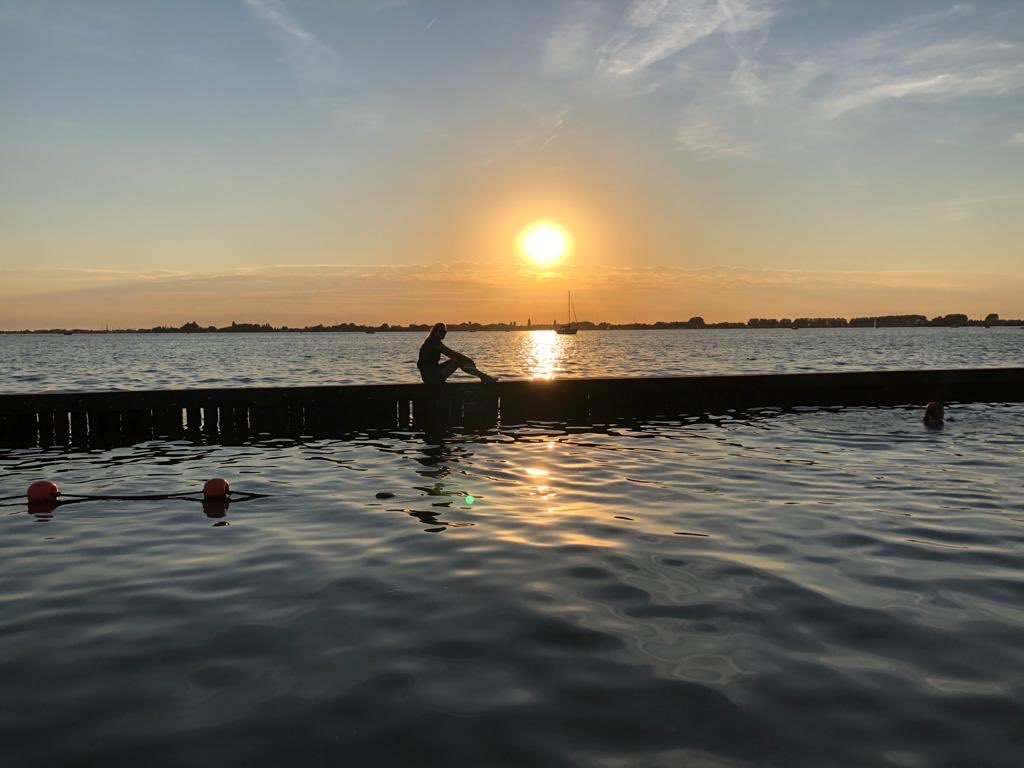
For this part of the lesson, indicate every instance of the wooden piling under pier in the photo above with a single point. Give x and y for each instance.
(93, 419)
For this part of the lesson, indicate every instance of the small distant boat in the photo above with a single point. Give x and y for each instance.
(68, 333)
(570, 328)
(369, 331)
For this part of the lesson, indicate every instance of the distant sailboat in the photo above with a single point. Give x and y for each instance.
(570, 328)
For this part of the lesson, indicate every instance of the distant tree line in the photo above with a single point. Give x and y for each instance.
(882, 321)
(694, 323)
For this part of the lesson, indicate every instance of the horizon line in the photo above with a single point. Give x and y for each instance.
(694, 323)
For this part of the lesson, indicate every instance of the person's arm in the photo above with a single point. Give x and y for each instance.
(455, 355)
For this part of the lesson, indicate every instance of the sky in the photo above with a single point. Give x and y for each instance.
(301, 162)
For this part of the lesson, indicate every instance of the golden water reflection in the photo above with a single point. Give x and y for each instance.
(544, 354)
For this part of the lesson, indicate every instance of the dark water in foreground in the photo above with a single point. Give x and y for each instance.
(165, 361)
(819, 588)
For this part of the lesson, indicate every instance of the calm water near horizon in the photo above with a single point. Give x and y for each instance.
(809, 587)
(156, 361)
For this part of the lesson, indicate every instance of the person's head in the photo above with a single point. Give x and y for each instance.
(934, 412)
(439, 330)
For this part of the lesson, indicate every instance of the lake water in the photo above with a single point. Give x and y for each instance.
(811, 587)
(807, 588)
(150, 361)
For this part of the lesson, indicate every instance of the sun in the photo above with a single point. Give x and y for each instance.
(544, 242)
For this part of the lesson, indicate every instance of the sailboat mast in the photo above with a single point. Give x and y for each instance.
(570, 325)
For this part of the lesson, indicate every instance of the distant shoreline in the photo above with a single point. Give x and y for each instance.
(693, 324)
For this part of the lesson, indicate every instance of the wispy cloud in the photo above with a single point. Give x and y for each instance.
(314, 63)
(1016, 140)
(592, 39)
(961, 208)
(789, 97)
(739, 90)
(362, 120)
(543, 127)
(870, 75)
(654, 30)
(571, 48)
(706, 138)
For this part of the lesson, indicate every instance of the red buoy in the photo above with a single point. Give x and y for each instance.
(42, 490)
(216, 488)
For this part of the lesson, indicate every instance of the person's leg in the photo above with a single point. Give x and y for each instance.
(472, 370)
(446, 369)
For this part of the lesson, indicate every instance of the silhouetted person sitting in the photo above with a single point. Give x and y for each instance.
(934, 414)
(433, 370)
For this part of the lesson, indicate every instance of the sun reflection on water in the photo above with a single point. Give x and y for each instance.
(544, 354)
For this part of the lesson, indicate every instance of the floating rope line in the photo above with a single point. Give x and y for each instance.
(188, 496)
(215, 490)
(106, 497)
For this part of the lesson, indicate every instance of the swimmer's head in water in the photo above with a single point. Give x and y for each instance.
(934, 412)
(439, 330)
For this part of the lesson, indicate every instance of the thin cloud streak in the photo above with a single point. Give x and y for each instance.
(655, 30)
(314, 63)
(988, 80)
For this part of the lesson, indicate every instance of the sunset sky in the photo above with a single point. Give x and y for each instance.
(303, 161)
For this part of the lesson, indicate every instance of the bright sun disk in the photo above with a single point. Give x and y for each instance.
(544, 242)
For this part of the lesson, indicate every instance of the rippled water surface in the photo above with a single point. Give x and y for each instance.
(803, 588)
(158, 361)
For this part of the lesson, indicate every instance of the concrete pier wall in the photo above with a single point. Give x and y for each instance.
(89, 419)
